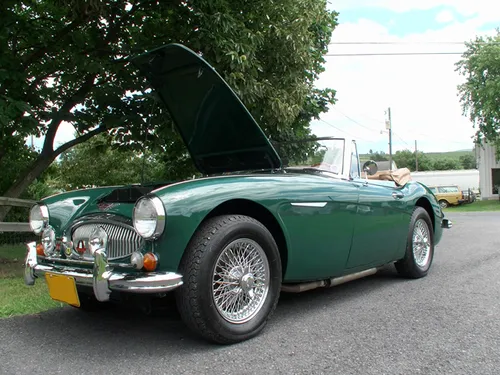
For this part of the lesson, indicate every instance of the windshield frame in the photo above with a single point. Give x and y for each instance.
(349, 146)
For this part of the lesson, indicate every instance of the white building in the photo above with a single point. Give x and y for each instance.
(489, 171)
(465, 179)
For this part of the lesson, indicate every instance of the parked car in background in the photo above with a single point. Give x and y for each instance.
(448, 195)
(229, 242)
(469, 196)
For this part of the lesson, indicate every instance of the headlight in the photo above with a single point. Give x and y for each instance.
(98, 240)
(49, 241)
(149, 217)
(39, 218)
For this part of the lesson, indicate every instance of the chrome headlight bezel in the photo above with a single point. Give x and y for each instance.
(158, 226)
(39, 223)
(49, 241)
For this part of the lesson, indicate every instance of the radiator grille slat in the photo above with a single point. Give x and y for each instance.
(122, 240)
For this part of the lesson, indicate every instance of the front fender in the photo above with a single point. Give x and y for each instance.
(187, 205)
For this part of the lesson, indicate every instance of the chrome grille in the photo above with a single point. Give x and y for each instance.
(122, 239)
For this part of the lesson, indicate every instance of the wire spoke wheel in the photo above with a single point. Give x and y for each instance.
(421, 243)
(240, 282)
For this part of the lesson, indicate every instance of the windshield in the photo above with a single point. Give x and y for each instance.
(322, 155)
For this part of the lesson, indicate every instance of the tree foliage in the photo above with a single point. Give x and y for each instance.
(480, 93)
(468, 161)
(67, 60)
(378, 156)
(407, 159)
(99, 162)
(446, 164)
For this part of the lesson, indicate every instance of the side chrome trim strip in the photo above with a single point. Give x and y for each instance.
(309, 204)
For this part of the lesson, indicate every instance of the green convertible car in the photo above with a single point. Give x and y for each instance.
(229, 242)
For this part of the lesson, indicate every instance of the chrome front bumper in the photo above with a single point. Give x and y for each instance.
(102, 278)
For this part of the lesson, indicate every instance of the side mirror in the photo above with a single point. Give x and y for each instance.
(370, 167)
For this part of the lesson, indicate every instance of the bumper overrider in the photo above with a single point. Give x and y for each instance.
(446, 223)
(102, 278)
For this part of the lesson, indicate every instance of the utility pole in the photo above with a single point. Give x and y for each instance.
(416, 157)
(388, 126)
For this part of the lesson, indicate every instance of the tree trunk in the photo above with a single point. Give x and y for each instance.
(25, 179)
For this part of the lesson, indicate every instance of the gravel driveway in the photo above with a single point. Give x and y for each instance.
(446, 323)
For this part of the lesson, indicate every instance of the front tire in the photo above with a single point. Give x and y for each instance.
(232, 279)
(443, 203)
(419, 246)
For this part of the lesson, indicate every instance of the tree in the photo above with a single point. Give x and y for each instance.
(378, 156)
(89, 164)
(67, 60)
(480, 92)
(17, 159)
(446, 164)
(468, 161)
(407, 159)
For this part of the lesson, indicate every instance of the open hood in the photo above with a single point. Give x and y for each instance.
(219, 132)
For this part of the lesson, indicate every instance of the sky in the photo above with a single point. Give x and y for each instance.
(421, 90)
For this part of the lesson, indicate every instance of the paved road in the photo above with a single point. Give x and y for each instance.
(447, 323)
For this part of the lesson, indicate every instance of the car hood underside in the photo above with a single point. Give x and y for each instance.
(219, 132)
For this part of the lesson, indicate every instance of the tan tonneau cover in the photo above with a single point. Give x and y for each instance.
(400, 176)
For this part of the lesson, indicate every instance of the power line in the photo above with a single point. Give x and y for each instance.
(401, 139)
(408, 43)
(394, 54)
(343, 131)
(354, 121)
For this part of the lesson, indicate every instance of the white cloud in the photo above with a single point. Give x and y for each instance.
(421, 90)
(445, 16)
(465, 7)
(483, 10)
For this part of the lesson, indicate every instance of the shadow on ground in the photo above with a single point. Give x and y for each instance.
(68, 329)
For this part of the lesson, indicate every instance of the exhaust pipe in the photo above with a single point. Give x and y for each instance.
(302, 287)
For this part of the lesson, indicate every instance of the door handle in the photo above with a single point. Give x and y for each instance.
(397, 195)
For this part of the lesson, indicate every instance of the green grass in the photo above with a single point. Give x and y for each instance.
(493, 205)
(16, 298)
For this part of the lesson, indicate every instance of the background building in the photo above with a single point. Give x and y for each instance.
(489, 171)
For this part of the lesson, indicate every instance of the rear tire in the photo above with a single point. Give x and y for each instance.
(443, 203)
(419, 246)
(232, 279)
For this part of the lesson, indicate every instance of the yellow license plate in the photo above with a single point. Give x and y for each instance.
(62, 288)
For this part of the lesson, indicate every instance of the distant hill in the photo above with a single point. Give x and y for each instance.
(448, 155)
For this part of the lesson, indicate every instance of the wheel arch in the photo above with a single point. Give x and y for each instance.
(260, 213)
(426, 205)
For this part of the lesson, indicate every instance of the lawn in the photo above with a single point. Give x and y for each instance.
(16, 298)
(476, 206)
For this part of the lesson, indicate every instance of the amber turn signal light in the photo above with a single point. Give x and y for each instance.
(39, 250)
(150, 261)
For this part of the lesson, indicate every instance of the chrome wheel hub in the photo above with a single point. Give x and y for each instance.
(247, 282)
(421, 243)
(240, 281)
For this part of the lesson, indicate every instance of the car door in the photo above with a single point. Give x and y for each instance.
(319, 228)
(380, 225)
